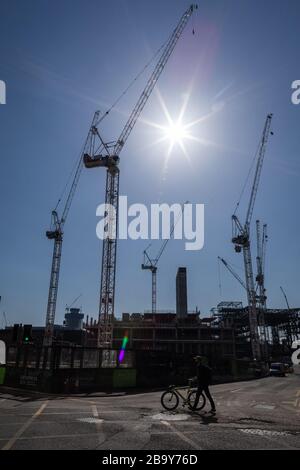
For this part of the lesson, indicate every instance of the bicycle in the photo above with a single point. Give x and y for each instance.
(170, 398)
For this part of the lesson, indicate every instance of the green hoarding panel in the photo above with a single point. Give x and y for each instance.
(124, 378)
(2, 375)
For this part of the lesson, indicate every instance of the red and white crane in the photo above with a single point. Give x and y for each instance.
(107, 155)
(56, 233)
(241, 240)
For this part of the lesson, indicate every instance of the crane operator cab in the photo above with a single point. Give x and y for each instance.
(108, 161)
(53, 234)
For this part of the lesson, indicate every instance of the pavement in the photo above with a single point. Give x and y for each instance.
(258, 414)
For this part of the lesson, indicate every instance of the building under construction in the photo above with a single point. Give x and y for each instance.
(282, 327)
(165, 331)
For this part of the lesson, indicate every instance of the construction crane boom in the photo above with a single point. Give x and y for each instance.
(231, 270)
(260, 160)
(56, 234)
(106, 155)
(153, 79)
(285, 298)
(241, 240)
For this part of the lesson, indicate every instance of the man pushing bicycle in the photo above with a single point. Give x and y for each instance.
(204, 378)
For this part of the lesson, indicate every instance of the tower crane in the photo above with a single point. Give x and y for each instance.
(106, 155)
(260, 260)
(260, 277)
(241, 240)
(56, 233)
(261, 239)
(151, 264)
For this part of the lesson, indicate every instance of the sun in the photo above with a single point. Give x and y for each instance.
(175, 132)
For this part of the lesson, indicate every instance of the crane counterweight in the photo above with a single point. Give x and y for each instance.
(107, 161)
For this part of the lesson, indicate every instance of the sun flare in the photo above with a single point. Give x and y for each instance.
(175, 133)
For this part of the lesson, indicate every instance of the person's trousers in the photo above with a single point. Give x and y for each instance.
(205, 389)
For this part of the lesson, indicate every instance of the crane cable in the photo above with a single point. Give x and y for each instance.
(138, 75)
(219, 276)
(74, 168)
(132, 82)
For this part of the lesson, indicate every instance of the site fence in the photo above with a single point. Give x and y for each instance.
(66, 357)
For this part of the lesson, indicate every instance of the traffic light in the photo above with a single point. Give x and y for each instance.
(15, 333)
(27, 334)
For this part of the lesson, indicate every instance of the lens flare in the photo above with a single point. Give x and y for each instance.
(123, 347)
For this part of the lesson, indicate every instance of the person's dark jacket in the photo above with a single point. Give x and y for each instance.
(204, 375)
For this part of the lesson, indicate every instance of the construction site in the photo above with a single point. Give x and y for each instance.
(151, 348)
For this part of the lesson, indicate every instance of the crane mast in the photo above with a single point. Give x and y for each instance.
(151, 264)
(262, 239)
(56, 234)
(241, 240)
(261, 297)
(106, 156)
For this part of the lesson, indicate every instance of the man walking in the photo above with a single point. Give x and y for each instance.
(204, 380)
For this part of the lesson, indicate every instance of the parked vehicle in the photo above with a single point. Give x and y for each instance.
(289, 369)
(277, 369)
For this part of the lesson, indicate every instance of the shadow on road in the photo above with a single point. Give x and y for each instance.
(204, 417)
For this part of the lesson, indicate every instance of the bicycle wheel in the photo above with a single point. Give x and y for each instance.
(169, 400)
(191, 400)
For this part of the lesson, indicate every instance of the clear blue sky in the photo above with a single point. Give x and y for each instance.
(62, 60)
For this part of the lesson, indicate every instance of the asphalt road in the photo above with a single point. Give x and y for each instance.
(260, 414)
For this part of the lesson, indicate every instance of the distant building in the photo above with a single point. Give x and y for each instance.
(73, 319)
(181, 293)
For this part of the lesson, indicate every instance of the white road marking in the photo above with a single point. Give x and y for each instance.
(182, 436)
(263, 432)
(90, 420)
(265, 407)
(171, 417)
(98, 422)
(271, 436)
(23, 428)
